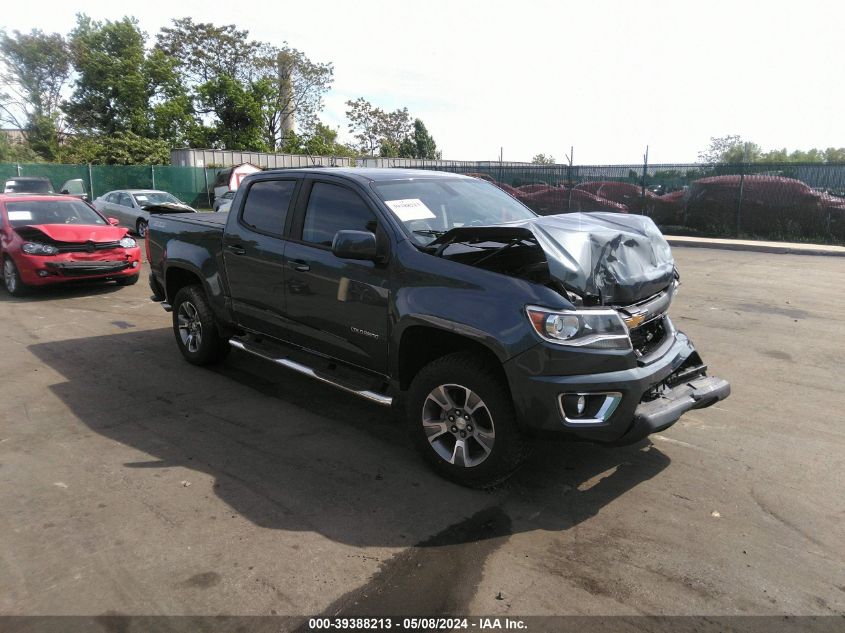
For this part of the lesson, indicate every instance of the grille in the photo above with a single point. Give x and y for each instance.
(648, 337)
(85, 247)
(86, 269)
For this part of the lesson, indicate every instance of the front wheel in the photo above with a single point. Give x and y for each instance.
(12, 279)
(461, 419)
(195, 330)
(127, 281)
(141, 228)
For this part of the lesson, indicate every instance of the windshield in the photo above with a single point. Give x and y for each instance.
(431, 206)
(60, 211)
(27, 185)
(154, 197)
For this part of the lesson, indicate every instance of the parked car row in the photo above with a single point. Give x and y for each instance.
(38, 184)
(48, 238)
(706, 203)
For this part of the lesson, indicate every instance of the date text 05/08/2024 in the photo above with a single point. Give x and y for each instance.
(415, 624)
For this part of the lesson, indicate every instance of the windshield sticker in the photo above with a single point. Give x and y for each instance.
(410, 209)
(18, 216)
(140, 198)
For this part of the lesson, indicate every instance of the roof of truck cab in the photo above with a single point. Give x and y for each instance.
(369, 174)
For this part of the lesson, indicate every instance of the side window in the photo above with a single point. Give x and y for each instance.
(111, 198)
(332, 208)
(266, 205)
(123, 200)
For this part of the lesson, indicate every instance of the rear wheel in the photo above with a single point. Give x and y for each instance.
(461, 419)
(12, 279)
(195, 329)
(141, 227)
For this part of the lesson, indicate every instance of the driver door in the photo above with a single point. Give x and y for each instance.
(338, 306)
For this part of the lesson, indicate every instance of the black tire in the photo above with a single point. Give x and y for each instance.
(190, 307)
(467, 371)
(12, 279)
(141, 228)
(127, 281)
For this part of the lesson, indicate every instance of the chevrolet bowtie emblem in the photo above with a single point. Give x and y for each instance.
(635, 320)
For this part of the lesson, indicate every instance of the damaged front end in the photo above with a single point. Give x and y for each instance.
(594, 260)
(618, 273)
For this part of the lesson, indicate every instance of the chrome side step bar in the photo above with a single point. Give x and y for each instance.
(372, 396)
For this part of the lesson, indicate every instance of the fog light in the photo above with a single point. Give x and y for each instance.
(134, 264)
(43, 273)
(589, 408)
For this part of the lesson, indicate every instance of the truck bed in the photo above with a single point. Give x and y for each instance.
(209, 219)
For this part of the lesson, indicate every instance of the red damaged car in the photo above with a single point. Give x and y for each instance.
(48, 239)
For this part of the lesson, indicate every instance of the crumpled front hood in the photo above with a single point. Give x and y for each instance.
(167, 207)
(80, 232)
(620, 259)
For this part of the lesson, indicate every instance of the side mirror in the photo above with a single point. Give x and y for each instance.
(114, 221)
(354, 245)
(65, 192)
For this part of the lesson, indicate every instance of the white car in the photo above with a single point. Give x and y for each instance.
(132, 207)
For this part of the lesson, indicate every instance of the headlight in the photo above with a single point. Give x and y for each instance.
(37, 248)
(128, 242)
(595, 329)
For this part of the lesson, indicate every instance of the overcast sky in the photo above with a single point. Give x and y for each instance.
(533, 76)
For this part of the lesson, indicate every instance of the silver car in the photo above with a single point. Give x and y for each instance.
(224, 202)
(132, 207)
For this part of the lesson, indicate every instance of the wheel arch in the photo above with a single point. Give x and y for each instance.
(177, 277)
(420, 343)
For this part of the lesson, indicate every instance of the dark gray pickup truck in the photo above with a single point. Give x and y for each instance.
(492, 323)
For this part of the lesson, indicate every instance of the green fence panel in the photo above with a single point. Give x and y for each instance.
(787, 201)
(192, 185)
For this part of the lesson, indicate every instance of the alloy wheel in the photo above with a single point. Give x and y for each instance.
(458, 425)
(9, 276)
(190, 326)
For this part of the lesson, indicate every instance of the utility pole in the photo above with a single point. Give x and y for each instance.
(645, 173)
(285, 63)
(569, 158)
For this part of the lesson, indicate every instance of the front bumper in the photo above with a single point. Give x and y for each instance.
(39, 270)
(662, 412)
(655, 393)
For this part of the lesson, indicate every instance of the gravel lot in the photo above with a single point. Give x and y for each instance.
(134, 483)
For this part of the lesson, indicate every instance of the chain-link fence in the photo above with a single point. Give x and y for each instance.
(192, 185)
(782, 201)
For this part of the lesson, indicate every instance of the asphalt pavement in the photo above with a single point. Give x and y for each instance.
(134, 483)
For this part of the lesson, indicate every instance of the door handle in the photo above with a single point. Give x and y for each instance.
(237, 250)
(299, 265)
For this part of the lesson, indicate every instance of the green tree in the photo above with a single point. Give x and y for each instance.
(34, 68)
(238, 112)
(542, 159)
(122, 87)
(391, 134)
(834, 155)
(290, 85)
(323, 142)
(11, 152)
(730, 149)
(422, 143)
(121, 148)
(365, 121)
